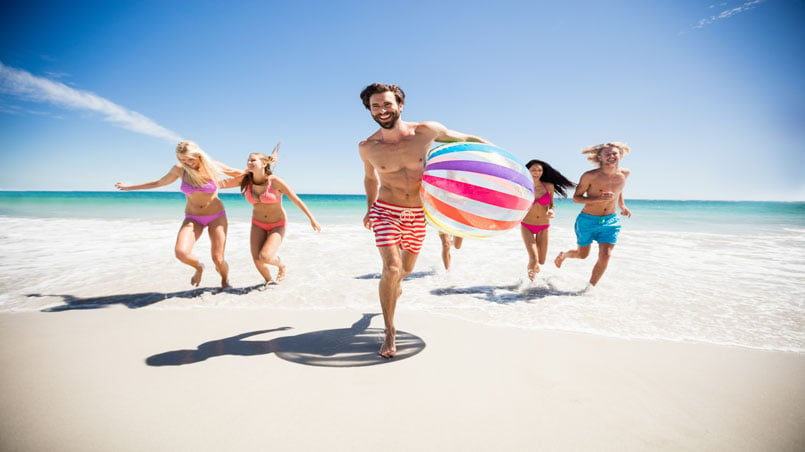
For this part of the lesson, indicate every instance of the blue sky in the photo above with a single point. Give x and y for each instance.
(709, 95)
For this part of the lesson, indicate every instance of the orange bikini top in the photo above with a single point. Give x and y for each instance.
(270, 196)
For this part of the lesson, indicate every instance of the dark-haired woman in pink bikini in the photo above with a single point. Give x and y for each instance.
(534, 227)
(199, 175)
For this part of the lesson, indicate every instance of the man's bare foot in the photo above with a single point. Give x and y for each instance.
(389, 347)
(225, 283)
(559, 259)
(280, 271)
(196, 279)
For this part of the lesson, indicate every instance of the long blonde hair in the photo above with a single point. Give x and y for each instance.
(594, 151)
(208, 168)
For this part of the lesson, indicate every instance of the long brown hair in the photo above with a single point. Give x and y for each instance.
(550, 174)
(248, 179)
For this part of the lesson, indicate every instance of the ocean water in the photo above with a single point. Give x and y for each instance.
(730, 273)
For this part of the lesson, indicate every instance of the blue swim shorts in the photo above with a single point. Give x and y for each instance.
(602, 229)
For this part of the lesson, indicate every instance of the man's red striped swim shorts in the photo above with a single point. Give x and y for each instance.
(395, 225)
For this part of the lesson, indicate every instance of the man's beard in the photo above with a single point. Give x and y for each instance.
(390, 123)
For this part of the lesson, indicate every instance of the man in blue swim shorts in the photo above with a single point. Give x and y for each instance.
(602, 229)
(601, 192)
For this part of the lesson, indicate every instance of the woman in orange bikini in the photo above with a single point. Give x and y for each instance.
(534, 227)
(264, 191)
(204, 209)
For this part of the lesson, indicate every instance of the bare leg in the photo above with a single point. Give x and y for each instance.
(217, 232)
(280, 269)
(542, 245)
(188, 234)
(457, 241)
(256, 240)
(446, 242)
(531, 247)
(264, 246)
(579, 253)
(396, 266)
(389, 290)
(604, 254)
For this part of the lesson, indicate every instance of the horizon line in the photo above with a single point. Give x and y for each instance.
(4, 190)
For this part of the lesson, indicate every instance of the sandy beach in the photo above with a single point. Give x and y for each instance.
(209, 379)
(104, 346)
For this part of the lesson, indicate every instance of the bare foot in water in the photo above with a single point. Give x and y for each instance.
(280, 271)
(559, 259)
(224, 272)
(532, 271)
(389, 347)
(196, 279)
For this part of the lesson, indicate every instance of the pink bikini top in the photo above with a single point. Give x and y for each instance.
(545, 199)
(209, 187)
(269, 197)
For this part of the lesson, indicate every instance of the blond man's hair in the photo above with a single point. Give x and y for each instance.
(594, 151)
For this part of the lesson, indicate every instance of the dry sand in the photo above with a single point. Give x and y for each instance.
(213, 379)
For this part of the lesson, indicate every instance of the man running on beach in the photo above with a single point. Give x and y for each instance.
(394, 161)
(601, 191)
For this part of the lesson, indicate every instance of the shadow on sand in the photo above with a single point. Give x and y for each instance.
(507, 294)
(134, 300)
(413, 275)
(355, 346)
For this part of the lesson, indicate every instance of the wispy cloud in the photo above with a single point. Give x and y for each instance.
(727, 13)
(25, 85)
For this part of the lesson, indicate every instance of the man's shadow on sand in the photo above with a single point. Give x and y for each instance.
(355, 346)
(135, 300)
(507, 294)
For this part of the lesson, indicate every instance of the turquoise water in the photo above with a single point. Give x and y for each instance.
(705, 216)
(720, 272)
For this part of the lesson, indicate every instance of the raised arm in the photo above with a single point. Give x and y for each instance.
(283, 188)
(445, 135)
(231, 182)
(173, 174)
(228, 170)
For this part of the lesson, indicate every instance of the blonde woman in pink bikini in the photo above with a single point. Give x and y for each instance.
(534, 227)
(264, 191)
(204, 209)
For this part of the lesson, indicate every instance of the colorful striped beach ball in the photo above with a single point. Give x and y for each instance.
(475, 190)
